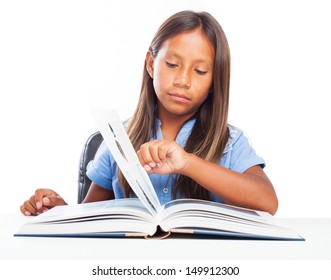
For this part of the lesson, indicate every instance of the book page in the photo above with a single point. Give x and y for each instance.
(109, 218)
(207, 217)
(126, 158)
(210, 207)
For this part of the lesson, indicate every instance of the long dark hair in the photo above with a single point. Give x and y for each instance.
(210, 132)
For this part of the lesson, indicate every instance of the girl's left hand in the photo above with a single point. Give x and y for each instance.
(163, 157)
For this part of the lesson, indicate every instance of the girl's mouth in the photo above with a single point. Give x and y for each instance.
(179, 97)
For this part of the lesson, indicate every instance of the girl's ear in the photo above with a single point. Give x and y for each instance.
(150, 64)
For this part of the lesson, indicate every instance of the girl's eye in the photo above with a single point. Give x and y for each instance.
(171, 65)
(199, 72)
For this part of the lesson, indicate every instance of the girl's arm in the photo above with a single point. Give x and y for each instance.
(97, 193)
(250, 189)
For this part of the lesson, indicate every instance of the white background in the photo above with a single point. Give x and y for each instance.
(59, 58)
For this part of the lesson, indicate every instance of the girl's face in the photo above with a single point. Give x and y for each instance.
(182, 73)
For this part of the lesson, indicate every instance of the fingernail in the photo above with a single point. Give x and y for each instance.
(152, 164)
(46, 201)
(147, 167)
(27, 213)
(159, 164)
(38, 204)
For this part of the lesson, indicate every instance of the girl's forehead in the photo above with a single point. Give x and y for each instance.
(194, 44)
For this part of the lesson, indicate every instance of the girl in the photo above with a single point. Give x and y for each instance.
(180, 129)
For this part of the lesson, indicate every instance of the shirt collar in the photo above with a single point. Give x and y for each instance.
(186, 130)
(183, 134)
(232, 134)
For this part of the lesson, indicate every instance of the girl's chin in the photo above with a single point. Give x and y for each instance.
(176, 109)
(179, 112)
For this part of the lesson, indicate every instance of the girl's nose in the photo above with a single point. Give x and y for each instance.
(183, 79)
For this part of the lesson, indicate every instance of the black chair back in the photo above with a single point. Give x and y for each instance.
(90, 148)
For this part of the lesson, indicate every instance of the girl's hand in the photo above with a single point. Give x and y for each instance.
(41, 201)
(163, 157)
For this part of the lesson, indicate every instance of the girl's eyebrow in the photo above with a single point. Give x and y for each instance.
(200, 60)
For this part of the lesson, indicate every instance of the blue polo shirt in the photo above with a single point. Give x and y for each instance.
(238, 155)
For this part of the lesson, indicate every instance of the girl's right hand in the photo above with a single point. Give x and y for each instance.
(41, 201)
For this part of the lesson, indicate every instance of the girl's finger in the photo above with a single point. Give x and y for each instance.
(154, 151)
(52, 201)
(29, 207)
(145, 154)
(40, 194)
(24, 211)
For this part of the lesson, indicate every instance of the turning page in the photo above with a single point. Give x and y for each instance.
(118, 142)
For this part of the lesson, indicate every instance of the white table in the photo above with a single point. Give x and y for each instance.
(317, 246)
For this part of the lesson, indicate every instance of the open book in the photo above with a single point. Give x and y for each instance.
(144, 215)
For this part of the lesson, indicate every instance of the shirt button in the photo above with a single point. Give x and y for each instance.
(165, 190)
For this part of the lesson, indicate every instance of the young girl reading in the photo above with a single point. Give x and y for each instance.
(180, 129)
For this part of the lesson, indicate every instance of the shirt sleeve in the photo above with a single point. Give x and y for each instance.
(100, 169)
(243, 156)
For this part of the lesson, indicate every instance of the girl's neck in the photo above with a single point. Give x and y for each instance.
(171, 124)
